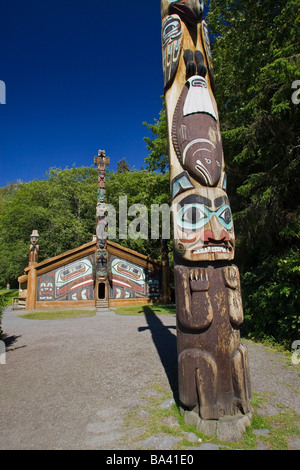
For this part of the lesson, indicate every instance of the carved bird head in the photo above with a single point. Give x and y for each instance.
(189, 10)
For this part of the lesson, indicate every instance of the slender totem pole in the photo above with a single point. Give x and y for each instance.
(34, 247)
(213, 371)
(102, 274)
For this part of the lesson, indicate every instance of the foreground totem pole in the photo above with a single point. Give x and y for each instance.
(102, 274)
(213, 371)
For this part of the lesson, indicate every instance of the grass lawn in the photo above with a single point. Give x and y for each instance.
(146, 310)
(58, 314)
(125, 310)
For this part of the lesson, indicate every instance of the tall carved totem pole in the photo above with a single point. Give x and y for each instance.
(102, 274)
(213, 371)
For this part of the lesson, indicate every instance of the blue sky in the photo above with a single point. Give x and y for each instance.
(80, 76)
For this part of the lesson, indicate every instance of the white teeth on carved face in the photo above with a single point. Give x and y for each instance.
(211, 249)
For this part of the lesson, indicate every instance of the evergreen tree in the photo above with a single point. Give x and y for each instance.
(122, 166)
(256, 61)
(157, 144)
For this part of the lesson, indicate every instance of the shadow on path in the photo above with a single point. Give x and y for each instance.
(165, 343)
(10, 340)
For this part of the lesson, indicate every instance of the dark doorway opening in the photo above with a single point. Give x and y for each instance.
(101, 291)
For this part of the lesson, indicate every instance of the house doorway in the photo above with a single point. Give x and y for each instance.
(101, 290)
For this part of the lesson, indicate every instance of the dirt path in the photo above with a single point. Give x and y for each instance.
(73, 384)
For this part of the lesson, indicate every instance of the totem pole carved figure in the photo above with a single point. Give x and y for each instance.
(212, 363)
(34, 247)
(101, 254)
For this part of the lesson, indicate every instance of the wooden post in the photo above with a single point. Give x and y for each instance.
(213, 371)
(31, 288)
(101, 284)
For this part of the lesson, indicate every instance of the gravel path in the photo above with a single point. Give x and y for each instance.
(68, 384)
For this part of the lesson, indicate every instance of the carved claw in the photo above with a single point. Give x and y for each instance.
(199, 280)
(231, 277)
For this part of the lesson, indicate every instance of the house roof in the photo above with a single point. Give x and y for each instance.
(88, 249)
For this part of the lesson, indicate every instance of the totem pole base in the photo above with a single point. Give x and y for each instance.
(227, 428)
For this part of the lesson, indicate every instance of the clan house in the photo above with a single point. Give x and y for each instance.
(100, 273)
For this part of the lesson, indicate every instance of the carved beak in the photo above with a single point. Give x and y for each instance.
(191, 10)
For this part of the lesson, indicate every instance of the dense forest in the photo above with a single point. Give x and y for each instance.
(256, 63)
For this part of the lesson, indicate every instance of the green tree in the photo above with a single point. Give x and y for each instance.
(256, 60)
(139, 187)
(122, 166)
(61, 208)
(256, 57)
(157, 144)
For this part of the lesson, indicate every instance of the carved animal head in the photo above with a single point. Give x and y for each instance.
(189, 10)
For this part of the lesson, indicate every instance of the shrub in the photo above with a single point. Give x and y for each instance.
(271, 295)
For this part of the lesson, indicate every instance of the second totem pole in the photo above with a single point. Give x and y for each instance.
(213, 370)
(102, 268)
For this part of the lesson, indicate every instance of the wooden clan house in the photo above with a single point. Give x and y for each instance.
(100, 273)
(69, 280)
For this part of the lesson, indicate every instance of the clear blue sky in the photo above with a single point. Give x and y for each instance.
(80, 76)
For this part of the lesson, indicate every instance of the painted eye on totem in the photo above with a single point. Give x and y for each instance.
(192, 217)
(225, 217)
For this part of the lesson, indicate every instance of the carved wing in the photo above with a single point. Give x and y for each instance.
(171, 47)
(206, 45)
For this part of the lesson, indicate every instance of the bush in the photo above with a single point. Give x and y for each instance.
(5, 299)
(2, 305)
(271, 294)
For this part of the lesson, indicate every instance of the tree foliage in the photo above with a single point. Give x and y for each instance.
(122, 166)
(256, 61)
(157, 144)
(61, 208)
(139, 187)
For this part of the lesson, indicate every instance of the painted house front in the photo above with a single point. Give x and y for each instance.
(69, 280)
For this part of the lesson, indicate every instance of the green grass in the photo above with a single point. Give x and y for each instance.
(146, 310)
(150, 420)
(58, 314)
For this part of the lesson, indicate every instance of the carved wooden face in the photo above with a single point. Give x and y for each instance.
(203, 225)
(34, 240)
